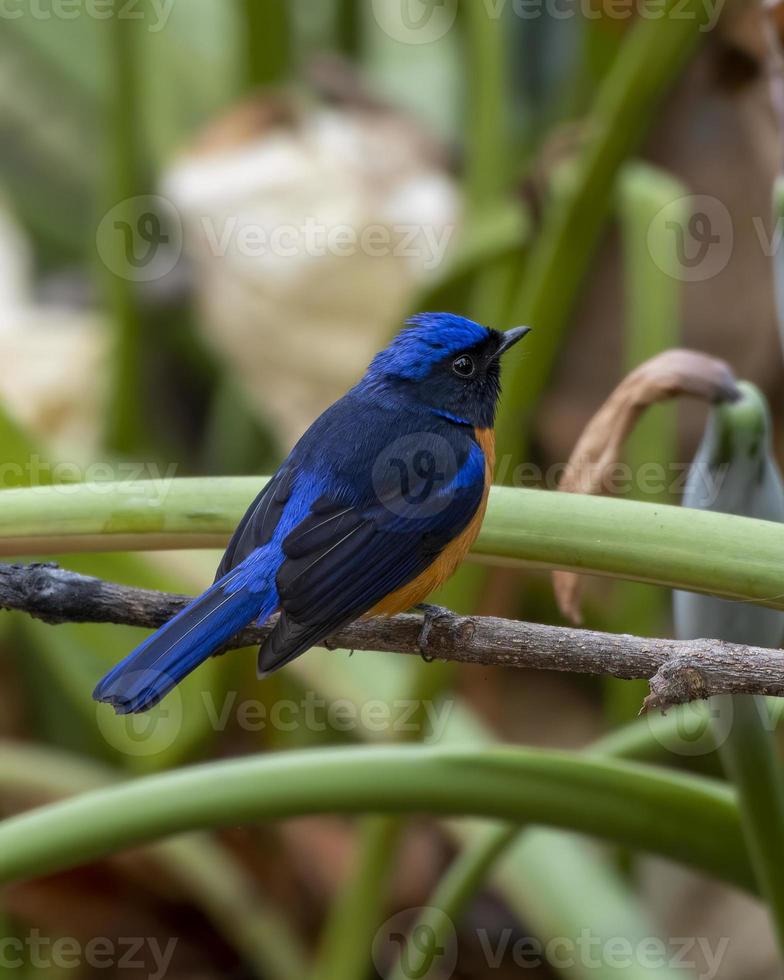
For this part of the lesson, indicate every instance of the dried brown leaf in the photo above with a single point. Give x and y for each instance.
(671, 374)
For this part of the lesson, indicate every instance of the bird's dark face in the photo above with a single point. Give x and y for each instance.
(449, 365)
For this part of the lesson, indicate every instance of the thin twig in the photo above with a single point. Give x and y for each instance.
(677, 671)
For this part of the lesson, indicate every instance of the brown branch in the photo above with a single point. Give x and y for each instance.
(678, 671)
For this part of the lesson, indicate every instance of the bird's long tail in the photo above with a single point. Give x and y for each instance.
(148, 673)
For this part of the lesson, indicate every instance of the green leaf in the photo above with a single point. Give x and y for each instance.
(735, 472)
(690, 819)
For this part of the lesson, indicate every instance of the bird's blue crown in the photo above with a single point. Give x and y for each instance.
(427, 339)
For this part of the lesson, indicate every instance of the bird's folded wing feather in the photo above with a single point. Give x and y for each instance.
(259, 522)
(342, 559)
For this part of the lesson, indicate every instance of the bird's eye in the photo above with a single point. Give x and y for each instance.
(463, 366)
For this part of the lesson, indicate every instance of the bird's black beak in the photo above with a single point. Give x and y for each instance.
(510, 338)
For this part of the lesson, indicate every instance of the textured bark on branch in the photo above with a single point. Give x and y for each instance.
(677, 671)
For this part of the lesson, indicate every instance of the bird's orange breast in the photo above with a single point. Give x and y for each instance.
(447, 562)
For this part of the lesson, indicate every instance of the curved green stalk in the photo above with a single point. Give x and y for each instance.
(644, 69)
(224, 891)
(692, 819)
(738, 558)
(558, 883)
(734, 557)
(445, 907)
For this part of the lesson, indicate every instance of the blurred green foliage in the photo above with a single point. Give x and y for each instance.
(96, 111)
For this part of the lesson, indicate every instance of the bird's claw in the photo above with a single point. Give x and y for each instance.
(430, 615)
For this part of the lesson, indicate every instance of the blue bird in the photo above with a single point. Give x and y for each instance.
(374, 508)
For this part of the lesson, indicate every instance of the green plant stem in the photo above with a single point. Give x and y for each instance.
(749, 757)
(660, 545)
(487, 151)
(689, 819)
(652, 288)
(652, 324)
(348, 28)
(356, 911)
(645, 68)
(125, 425)
(738, 439)
(485, 125)
(353, 919)
(734, 557)
(224, 891)
(496, 232)
(446, 906)
(268, 41)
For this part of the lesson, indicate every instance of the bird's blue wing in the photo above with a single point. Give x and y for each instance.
(343, 558)
(329, 537)
(260, 520)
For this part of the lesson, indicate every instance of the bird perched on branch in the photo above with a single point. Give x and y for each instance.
(374, 508)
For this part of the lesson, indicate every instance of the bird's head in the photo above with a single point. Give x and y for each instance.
(449, 364)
